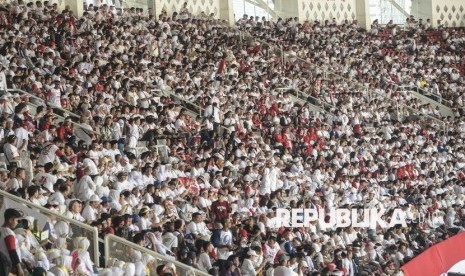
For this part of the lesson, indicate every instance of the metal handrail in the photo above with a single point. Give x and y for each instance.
(429, 117)
(326, 107)
(433, 96)
(93, 230)
(67, 112)
(110, 237)
(418, 112)
(96, 132)
(409, 89)
(200, 110)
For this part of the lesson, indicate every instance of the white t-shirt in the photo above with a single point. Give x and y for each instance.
(22, 134)
(54, 97)
(93, 170)
(89, 213)
(144, 224)
(14, 184)
(11, 152)
(44, 178)
(197, 228)
(226, 238)
(204, 262)
(47, 154)
(283, 271)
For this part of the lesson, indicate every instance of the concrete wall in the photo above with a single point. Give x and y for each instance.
(227, 11)
(451, 13)
(287, 8)
(194, 6)
(422, 9)
(322, 10)
(220, 8)
(363, 14)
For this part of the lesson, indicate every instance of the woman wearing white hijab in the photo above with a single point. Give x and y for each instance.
(55, 256)
(265, 185)
(161, 176)
(81, 259)
(150, 264)
(140, 269)
(62, 245)
(118, 268)
(129, 269)
(24, 250)
(114, 203)
(155, 239)
(62, 229)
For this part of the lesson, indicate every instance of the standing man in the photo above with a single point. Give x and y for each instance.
(8, 243)
(283, 268)
(220, 208)
(225, 243)
(3, 84)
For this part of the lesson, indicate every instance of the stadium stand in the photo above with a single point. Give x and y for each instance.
(142, 145)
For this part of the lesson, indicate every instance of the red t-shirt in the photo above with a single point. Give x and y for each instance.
(220, 209)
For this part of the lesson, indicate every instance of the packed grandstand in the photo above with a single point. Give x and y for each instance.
(184, 135)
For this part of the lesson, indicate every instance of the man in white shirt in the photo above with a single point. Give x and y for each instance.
(9, 248)
(198, 228)
(11, 152)
(283, 268)
(22, 136)
(247, 268)
(45, 177)
(3, 85)
(225, 242)
(49, 152)
(134, 132)
(54, 95)
(91, 211)
(85, 188)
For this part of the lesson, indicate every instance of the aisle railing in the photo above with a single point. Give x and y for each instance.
(61, 117)
(316, 102)
(332, 75)
(117, 248)
(44, 215)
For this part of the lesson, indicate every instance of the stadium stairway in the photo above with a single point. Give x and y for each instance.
(429, 98)
(426, 97)
(314, 104)
(103, 252)
(82, 131)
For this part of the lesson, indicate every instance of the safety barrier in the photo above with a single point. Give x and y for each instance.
(319, 104)
(64, 113)
(117, 248)
(43, 216)
(331, 75)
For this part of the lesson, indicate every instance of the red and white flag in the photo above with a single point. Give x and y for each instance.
(442, 258)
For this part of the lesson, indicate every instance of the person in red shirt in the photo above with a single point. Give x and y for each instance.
(220, 209)
(8, 241)
(65, 130)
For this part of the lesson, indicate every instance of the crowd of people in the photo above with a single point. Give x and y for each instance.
(412, 55)
(236, 147)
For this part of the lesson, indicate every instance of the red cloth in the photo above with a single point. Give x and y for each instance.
(10, 242)
(438, 259)
(221, 210)
(63, 132)
(222, 66)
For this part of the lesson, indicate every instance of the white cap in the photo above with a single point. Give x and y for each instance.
(252, 253)
(95, 198)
